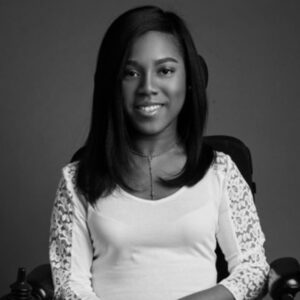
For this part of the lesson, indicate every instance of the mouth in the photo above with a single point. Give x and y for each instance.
(149, 109)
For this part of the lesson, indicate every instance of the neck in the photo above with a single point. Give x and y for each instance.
(153, 145)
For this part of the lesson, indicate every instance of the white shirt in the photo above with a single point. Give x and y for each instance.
(136, 249)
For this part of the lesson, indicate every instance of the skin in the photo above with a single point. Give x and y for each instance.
(154, 90)
(155, 74)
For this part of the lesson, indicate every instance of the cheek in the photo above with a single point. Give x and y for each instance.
(128, 91)
(177, 91)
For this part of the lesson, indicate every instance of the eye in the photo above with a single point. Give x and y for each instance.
(166, 71)
(130, 73)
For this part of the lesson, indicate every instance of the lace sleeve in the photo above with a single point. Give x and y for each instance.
(241, 238)
(70, 247)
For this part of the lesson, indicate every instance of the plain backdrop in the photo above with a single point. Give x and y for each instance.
(48, 51)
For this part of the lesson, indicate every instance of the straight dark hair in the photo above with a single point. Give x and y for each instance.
(104, 162)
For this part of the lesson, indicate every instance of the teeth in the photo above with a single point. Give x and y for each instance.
(150, 108)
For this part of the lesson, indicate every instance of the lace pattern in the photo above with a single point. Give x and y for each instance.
(61, 242)
(247, 280)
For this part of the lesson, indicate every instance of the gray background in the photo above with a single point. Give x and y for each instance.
(47, 59)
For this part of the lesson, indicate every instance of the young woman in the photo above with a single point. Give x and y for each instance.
(139, 214)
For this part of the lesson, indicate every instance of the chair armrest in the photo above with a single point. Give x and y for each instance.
(284, 278)
(40, 278)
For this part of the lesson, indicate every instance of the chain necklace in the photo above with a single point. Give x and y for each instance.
(149, 159)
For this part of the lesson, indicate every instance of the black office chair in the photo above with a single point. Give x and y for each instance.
(287, 269)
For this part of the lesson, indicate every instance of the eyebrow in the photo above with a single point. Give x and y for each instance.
(157, 62)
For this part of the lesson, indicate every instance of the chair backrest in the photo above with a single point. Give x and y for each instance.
(239, 153)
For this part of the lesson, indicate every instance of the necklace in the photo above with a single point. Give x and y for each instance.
(149, 158)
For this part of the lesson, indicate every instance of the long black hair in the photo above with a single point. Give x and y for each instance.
(105, 160)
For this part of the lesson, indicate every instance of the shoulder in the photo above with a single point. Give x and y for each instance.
(219, 170)
(230, 175)
(222, 162)
(68, 184)
(226, 170)
(69, 172)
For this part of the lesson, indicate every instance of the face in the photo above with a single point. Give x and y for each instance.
(154, 84)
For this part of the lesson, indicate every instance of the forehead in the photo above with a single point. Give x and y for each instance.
(155, 45)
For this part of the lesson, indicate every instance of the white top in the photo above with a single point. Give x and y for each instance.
(135, 249)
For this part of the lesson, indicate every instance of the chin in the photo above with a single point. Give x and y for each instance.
(149, 131)
(153, 129)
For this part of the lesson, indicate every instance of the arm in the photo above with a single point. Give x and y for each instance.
(70, 245)
(241, 240)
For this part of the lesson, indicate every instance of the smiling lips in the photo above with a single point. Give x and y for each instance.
(149, 109)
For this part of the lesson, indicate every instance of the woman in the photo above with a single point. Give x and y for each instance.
(139, 214)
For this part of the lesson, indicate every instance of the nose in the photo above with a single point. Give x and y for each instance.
(147, 85)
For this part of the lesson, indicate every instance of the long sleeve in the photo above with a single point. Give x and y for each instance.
(70, 249)
(240, 237)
